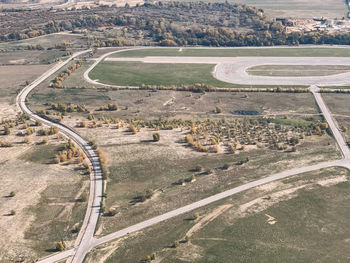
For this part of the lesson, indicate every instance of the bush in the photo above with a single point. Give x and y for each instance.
(12, 194)
(7, 130)
(195, 215)
(12, 212)
(176, 244)
(218, 109)
(60, 246)
(132, 129)
(156, 137)
(199, 168)
(110, 212)
(226, 166)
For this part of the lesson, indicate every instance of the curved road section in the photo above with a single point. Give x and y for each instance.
(86, 241)
(90, 221)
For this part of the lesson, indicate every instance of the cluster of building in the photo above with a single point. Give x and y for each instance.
(316, 24)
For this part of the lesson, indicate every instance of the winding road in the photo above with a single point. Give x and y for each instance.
(86, 240)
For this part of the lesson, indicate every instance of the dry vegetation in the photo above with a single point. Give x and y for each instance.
(159, 171)
(312, 203)
(41, 202)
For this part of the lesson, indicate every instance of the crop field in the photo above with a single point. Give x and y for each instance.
(297, 70)
(238, 52)
(297, 218)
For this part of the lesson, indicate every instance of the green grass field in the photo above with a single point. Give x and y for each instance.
(297, 70)
(238, 52)
(136, 74)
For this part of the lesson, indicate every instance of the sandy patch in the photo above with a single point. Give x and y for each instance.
(169, 102)
(270, 219)
(7, 111)
(333, 181)
(17, 61)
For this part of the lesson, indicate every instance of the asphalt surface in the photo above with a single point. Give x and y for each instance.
(92, 214)
(87, 240)
(331, 123)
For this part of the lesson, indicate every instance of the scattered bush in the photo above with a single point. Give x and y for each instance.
(60, 246)
(156, 137)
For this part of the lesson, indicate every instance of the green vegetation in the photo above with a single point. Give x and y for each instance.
(237, 52)
(136, 74)
(141, 74)
(43, 154)
(297, 70)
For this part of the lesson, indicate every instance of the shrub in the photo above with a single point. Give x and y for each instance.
(6, 130)
(156, 137)
(110, 212)
(154, 256)
(226, 166)
(132, 129)
(38, 123)
(12, 194)
(195, 215)
(218, 109)
(60, 246)
(12, 212)
(199, 168)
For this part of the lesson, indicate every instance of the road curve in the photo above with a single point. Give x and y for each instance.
(91, 217)
(212, 199)
(88, 241)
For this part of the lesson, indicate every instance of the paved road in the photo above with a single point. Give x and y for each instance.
(212, 199)
(92, 214)
(331, 123)
(88, 241)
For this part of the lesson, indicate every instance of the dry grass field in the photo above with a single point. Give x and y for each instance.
(137, 165)
(298, 8)
(290, 220)
(339, 106)
(38, 199)
(144, 104)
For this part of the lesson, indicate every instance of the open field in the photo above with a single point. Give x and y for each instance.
(12, 79)
(137, 163)
(135, 74)
(241, 228)
(46, 41)
(148, 105)
(297, 70)
(339, 106)
(297, 8)
(138, 73)
(238, 52)
(45, 196)
(25, 57)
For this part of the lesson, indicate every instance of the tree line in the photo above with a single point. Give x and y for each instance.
(180, 24)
